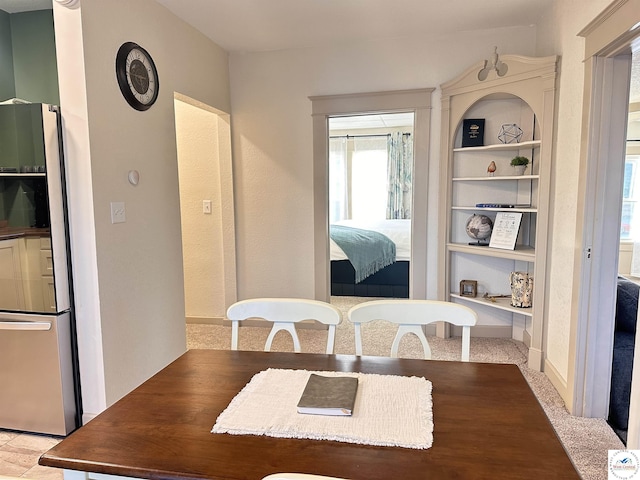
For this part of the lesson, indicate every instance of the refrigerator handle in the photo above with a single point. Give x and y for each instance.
(25, 326)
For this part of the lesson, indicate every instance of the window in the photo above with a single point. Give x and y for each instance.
(338, 180)
(358, 178)
(630, 222)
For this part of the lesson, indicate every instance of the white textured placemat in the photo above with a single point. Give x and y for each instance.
(390, 410)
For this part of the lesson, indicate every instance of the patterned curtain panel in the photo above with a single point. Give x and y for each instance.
(399, 171)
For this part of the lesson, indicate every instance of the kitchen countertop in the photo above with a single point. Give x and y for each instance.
(7, 233)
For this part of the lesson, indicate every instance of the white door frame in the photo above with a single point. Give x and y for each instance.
(608, 42)
(601, 235)
(323, 107)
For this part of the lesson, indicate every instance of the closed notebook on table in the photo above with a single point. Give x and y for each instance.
(328, 395)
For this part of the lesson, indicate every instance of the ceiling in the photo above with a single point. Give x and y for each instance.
(16, 6)
(387, 120)
(259, 25)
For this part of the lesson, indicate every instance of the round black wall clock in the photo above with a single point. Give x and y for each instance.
(137, 76)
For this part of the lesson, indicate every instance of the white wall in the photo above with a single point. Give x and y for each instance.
(130, 296)
(558, 35)
(129, 276)
(208, 240)
(272, 139)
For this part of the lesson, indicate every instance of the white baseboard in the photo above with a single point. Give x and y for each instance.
(251, 322)
(205, 320)
(490, 331)
(559, 383)
(87, 417)
(535, 359)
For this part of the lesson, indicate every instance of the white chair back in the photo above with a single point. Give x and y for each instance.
(284, 313)
(411, 316)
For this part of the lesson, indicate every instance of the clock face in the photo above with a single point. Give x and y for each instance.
(137, 76)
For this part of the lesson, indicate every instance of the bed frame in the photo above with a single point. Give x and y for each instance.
(390, 282)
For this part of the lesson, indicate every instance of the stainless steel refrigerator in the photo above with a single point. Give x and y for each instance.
(39, 379)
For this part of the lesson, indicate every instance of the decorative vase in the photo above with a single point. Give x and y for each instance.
(521, 289)
(519, 169)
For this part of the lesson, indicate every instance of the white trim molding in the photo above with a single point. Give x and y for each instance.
(608, 40)
(323, 107)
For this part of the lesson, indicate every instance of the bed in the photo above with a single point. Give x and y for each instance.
(390, 281)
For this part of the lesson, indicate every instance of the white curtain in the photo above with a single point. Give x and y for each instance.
(635, 260)
(338, 189)
(369, 178)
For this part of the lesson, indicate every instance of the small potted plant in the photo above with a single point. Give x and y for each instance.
(519, 164)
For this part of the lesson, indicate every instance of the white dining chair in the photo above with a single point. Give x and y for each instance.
(298, 476)
(284, 313)
(411, 316)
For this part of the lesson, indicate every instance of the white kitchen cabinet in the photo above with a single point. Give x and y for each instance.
(11, 289)
(46, 272)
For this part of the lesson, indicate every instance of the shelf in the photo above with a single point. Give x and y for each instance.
(521, 253)
(527, 98)
(500, 304)
(496, 178)
(495, 209)
(500, 146)
(14, 175)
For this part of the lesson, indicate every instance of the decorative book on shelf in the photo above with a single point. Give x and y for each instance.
(328, 395)
(473, 132)
(503, 205)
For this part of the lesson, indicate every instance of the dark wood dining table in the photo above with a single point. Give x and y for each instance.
(487, 425)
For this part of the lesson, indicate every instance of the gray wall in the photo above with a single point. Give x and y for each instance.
(28, 57)
(28, 71)
(7, 82)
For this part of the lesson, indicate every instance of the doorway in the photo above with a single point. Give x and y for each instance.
(418, 102)
(370, 199)
(203, 140)
(610, 40)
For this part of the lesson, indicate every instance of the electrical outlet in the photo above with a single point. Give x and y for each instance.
(206, 206)
(118, 212)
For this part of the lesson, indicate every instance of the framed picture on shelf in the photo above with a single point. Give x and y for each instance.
(505, 230)
(473, 132)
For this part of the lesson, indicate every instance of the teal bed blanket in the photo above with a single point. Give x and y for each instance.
(368, 251)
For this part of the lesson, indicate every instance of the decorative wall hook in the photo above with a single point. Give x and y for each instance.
(68, 3)
(500, 67)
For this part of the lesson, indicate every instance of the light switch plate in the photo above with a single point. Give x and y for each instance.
(206, 206)
(118, 212)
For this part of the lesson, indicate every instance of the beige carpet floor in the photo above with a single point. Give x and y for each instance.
(587, 440)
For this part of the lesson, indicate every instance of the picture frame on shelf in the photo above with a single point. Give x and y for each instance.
(468, 288)
(505, 230)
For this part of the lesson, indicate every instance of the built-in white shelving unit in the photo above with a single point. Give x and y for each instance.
(524, 96)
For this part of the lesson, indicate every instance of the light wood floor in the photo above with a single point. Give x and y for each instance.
(19, 453)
